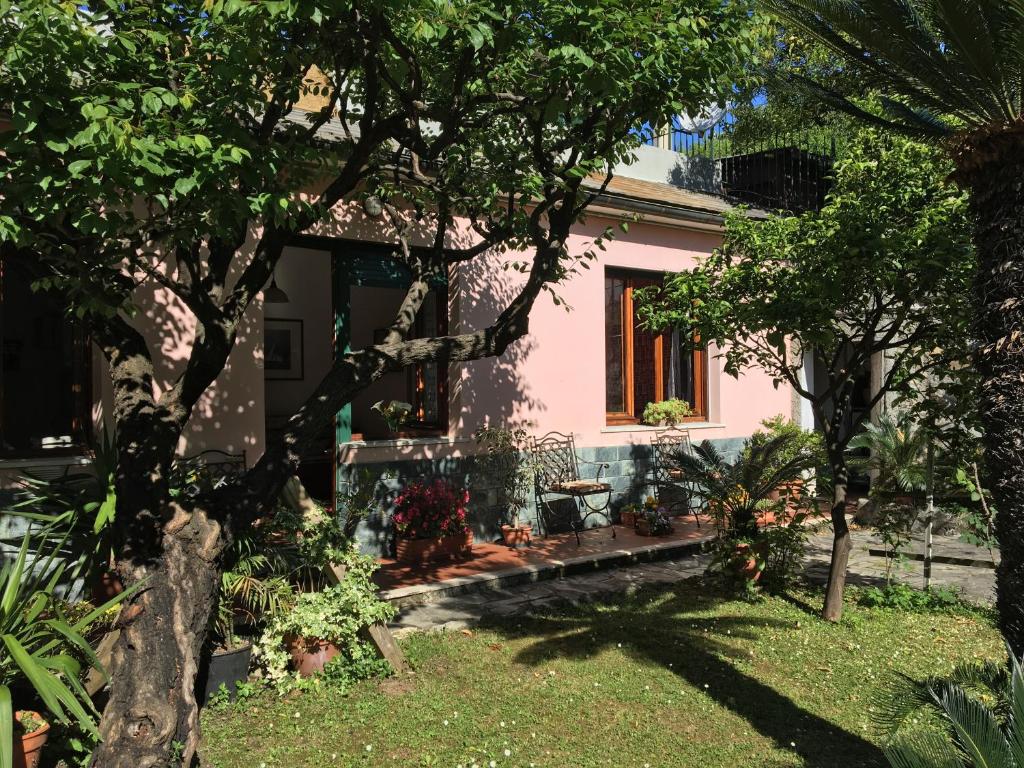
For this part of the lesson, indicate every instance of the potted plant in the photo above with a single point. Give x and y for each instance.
(254, 589)
(666, 413)
(502, 460)
(30, 734)
(742, 491)
(394, 412)
(40, 650)
(795, 441)
(327, 625)
(628, 516)
(430, 522)
(654, 521)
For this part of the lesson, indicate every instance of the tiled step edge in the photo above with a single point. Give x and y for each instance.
(422, 594)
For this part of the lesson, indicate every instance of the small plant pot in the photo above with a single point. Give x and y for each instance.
(646, 528)
(628, 518)
(434, 550)
(310, 654)
(28, 747)
(227, 667)
(106, 586)
(517, 536)
(744, 563)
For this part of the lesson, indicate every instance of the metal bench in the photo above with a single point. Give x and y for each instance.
(207, 470)
(668, 478)
(556, 477)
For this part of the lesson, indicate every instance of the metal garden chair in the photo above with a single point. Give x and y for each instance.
(556, 477)
(670, 481)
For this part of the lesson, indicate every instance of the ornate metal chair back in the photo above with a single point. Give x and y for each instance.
(554, 460)
(665, 444)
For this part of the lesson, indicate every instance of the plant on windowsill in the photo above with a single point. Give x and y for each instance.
(503, 460)
(666, 413)
(430, 522)
(394, 412)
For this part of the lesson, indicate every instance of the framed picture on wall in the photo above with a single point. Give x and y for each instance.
(282, 349)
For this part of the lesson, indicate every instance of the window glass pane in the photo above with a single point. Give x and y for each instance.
(41, 365)
(614, 288)
(426, 403)
(644, 391)
(678, 369)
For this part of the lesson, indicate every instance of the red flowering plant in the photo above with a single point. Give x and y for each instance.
(430, 510)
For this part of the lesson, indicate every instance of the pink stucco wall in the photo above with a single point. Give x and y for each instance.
(551, 380)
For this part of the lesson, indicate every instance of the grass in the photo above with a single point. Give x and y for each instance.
(684, 677)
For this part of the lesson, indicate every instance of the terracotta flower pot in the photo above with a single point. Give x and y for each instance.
(628, 518)
(432, 550)
(644, 527)
(745, 563)
(517, 536)
(28, 747)
(106, 586)
(310, 654)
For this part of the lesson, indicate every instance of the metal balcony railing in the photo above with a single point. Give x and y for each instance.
(788, 171)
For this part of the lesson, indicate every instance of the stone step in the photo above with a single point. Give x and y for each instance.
(422, 594)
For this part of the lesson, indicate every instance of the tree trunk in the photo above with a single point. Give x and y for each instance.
(991, 165)
(152, 718)
(841, 543)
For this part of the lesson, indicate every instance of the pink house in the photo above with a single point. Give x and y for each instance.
(586, 368)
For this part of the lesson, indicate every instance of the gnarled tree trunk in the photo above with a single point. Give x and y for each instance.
(152, 716)
(991, 166)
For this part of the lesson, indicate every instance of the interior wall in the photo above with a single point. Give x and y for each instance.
(374, 309)
(304, 275)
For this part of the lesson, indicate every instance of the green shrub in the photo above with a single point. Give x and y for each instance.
(904, 598)
(337, 614)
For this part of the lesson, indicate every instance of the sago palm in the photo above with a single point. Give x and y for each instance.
(952, 71)
(897, 453)
(975, 719)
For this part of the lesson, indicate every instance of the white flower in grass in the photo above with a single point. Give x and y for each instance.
(444, 722)
(508, 753)
(369, 747)
(502, 724)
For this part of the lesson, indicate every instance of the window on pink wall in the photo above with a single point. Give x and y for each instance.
(44, 369)
(643, 367)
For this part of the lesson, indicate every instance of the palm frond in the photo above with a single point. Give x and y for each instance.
(975, 727)
(1015, 719)
(923, 749)
(948, 58)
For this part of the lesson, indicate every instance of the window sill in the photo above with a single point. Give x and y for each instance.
(405, 442)
(65, 460)
(646, 428)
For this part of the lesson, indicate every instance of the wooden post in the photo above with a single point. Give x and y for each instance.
(930, 519)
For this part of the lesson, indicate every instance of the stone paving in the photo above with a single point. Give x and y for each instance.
(460, 611)
(975, 583)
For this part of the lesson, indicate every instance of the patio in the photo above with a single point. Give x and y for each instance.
(494, 565)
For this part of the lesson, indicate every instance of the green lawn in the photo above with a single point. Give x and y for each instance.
(676, 678)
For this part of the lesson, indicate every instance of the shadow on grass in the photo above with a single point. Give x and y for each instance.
(665, 628)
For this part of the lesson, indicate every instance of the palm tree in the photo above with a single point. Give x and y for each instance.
(972, 719)
(953, 73)
(897, 454)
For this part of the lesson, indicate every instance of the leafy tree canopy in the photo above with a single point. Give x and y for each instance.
(885, 265)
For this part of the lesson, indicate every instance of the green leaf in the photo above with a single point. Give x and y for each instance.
(6, 728)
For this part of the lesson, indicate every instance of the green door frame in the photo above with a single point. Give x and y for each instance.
(353, 263)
